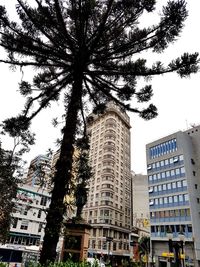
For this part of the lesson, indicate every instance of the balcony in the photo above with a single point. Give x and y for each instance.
(109, 145)
(109, 170)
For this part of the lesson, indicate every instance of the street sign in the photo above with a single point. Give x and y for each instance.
(168, 254)
(171, 255)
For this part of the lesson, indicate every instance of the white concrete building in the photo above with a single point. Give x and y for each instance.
(173, 165)
(28, 222)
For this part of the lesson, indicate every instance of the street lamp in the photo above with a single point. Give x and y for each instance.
(170, 244)
(177, 247)
(182, 238)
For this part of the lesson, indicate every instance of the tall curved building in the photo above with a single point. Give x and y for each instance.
(108, 209)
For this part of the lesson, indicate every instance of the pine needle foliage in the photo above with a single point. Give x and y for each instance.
(92, 51)
(8, 190)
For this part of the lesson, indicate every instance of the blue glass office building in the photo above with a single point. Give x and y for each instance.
(173, 168)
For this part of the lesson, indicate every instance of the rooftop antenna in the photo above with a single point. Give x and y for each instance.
(186, 124)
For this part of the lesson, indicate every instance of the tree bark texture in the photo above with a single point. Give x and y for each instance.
(62, 178)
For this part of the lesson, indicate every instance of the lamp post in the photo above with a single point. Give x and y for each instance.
(177, 247)
(109, 240)
(170, 245)
(182, 238)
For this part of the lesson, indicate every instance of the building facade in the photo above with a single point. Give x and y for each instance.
(173, 167)
(140, 204)
(39, 172)
(108, 208)
(28, 223)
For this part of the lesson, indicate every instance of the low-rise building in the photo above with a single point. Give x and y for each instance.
(28, 223)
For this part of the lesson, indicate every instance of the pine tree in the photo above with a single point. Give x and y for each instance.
(8, 190)
(11, 167)
(90, 50)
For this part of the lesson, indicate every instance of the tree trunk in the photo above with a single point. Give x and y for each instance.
(62, 178)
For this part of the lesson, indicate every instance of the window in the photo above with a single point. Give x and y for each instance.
(180, 157)
(43, 201)
(94, 231)
(165, 200)
(175, 199)
(24, 225)
(114, 246)
(177, 213)
(190, 228)
(164, 187)
(182, 170)
(179, 184)
(40, 227)
(173, 185)
(171, 213)
(180, 198)
(39, 213)
(169, 186)
(163, 174)
(105, 232)
(184, 183)
(14, 222)
(170, 199)
(172, 173)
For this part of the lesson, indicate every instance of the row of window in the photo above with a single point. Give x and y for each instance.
(185, 228)
(24, 224)
(162, 164)
(163, 148)
(104, 245)
(163, 188)
(31, 197)
(23, 210)
(112, 233)
(170, 213)
(174, 173)
(169, 200)
(24, 240)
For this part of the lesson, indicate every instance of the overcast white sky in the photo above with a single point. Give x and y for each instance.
(177, 99)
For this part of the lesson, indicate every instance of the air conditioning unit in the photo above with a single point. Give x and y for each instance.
(150, 189)
(175, 159)
(151, 203)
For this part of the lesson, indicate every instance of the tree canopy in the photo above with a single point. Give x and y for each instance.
(91, 50)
